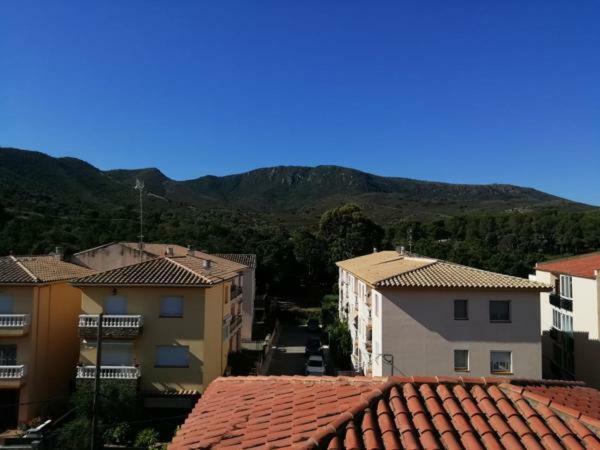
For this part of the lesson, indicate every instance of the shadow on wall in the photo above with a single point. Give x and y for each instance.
(556, 346)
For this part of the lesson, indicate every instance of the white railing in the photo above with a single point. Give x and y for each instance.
(12, 372)
(109, 372)
(111, 321)
(14, 320)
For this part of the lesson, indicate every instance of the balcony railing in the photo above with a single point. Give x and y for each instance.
(109, 372)
(561, 302)
(113, 325)
(13, 372)
(236, 291)
(14, 320)
(235, 324)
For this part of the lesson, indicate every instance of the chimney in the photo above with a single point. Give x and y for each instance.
(400, 249)
(170, 251)
(374, 249)
(58, 253)
(190, 251)
(206, 264)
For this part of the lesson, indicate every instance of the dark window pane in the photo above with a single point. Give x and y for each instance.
(461, 310)
(500, 311)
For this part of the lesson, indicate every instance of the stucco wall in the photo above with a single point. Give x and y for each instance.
(200, 328)
(108, 257)
(419, 330)
(249, 286)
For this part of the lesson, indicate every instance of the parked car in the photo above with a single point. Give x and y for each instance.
(315, 365)
(313, 347)
(313, 325)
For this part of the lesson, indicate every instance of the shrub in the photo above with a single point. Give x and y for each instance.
(147, 438)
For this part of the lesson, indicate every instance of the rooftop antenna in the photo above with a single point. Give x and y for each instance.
(410, 239)
(139, 186)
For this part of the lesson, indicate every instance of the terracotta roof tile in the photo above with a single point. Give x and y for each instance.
(391, 269)
(395, 413)
(38, 269)
(579, 266)
(247, 259)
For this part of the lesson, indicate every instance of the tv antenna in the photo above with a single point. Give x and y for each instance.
(139, 186)
(409, 236)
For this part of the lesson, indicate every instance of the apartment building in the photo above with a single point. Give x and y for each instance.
(249, 288)
(168, 323)
(38, 335)
(570, 317)
(414, 315)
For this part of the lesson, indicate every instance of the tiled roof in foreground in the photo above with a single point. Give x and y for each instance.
(580, 266)
(392, 269)
(38, 269)
(391, 413)
(167, 271)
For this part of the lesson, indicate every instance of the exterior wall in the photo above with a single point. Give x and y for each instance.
(420, 332)
(50, 348)
(200, 328)
(249, 293)
(586, 327)
(108, 257)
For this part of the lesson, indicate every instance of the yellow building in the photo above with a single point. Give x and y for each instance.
(169, 324)
(38, 335)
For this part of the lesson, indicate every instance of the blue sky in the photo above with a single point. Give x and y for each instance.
(461, 91)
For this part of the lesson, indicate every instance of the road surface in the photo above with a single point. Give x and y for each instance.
(288, 358)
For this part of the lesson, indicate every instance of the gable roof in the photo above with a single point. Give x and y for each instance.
(38, 269)
(579, 266)
(392, 269)
(247, 259)
(167, 271)
(391, 413)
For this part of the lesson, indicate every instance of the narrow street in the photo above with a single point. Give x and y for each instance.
(288, 358)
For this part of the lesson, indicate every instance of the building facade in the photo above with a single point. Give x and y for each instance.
(570, 317)
(38, 335)
(169, 324)
(412, 315)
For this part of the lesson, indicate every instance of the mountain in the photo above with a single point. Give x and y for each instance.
(288, 193)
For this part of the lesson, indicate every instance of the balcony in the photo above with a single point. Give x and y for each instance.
(14, 324)
(12, 376)
(109, 372)
(236, 291)
(561, 302)
(114, 326)
(235, 324)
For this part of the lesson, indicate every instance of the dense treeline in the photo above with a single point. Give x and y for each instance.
(301, 260)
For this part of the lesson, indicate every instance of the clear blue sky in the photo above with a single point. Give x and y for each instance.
(459, 91)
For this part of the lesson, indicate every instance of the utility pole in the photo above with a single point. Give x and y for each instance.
(97, 382)
(139, 186)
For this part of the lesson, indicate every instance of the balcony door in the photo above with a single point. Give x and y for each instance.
(8, 355)
(6, 304)
(115, 305)
(117, 353)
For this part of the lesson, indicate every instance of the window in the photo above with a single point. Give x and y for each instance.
(115, 305)
(567, 323)
(499, 310)
(171, 307)
(376, 303)
(461, 311)
(566, 286)
(172, 356)
(556, 319)
(461, 360)
(8, 355)
(6, 304)
(117, 353)
(501, 362)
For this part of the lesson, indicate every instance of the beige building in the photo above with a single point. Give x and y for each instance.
(39, 344)
(412, 315)
(169, 324)
(570, 318)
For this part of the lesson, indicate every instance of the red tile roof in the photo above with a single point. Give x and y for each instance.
(392, 413)
(37, 269)
(579, 266)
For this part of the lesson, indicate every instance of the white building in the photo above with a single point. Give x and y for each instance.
(570, 318)
(416, 316)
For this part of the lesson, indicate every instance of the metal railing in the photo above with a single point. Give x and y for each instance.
(111, 321)
(13, 372)
(561, 302)
(14, 320)
(109, 372)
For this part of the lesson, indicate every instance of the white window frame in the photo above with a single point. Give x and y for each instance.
(556, 319)
(498, 371)
(180, 348)
(165, 300)
(462, 369)
(566, 287)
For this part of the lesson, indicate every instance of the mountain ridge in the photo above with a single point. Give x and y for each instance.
(279, 190)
